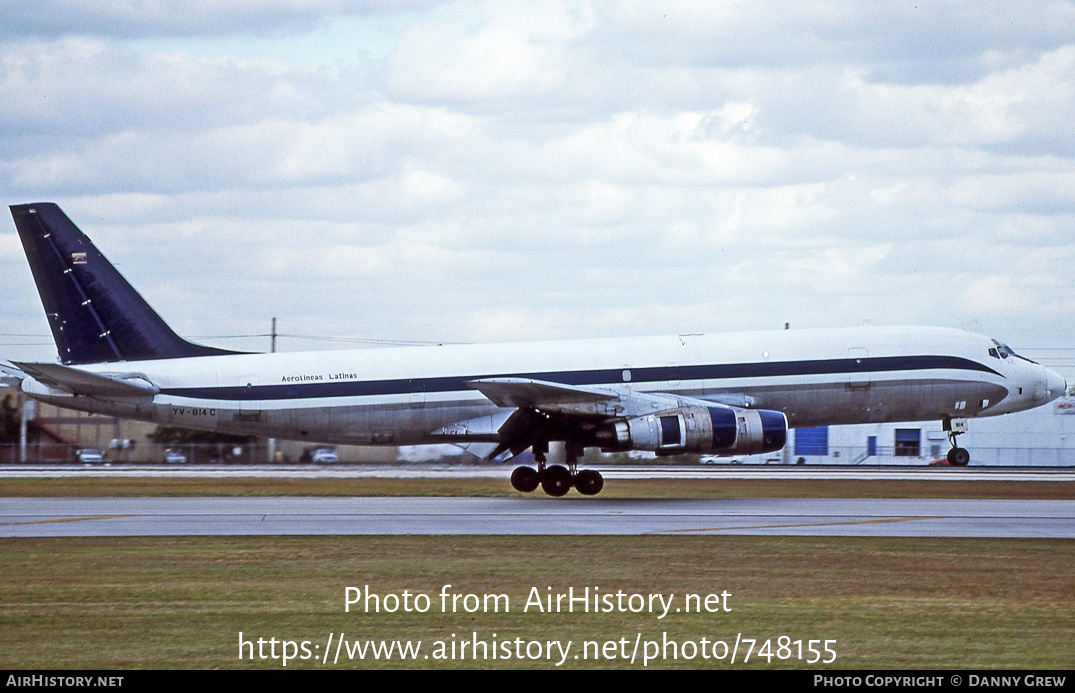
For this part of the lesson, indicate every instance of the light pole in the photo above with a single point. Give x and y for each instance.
(272, 350)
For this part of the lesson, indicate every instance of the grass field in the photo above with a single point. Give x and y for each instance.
(888, 603)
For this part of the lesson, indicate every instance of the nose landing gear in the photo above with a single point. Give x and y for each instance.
(957, 456)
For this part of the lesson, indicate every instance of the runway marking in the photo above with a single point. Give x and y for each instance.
(65, 519)
(803, 524)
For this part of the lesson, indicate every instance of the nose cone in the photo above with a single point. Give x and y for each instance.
(1055, 386)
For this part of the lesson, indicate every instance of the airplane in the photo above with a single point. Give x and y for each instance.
(714, 394)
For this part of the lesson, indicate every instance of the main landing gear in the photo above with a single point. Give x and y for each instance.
(957, 456)
(556, 480)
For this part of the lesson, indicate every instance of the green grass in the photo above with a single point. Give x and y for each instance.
(889, 603)
(182, 602)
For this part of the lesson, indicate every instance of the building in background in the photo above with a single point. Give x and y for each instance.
(1040, 437)
(56, 435)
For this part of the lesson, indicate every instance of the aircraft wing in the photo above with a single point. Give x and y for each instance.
(524, 392)
(592, 402)
(554, 411)
(81, 382)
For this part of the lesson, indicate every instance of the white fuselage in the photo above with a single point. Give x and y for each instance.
(417, 395)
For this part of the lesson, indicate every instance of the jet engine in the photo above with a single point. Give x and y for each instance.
(719, 430)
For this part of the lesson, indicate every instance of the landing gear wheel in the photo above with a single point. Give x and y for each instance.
(525, 479)
(556, 481)
(589, 482)
(958, 457)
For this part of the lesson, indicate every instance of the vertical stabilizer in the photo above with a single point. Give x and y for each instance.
(94, 313)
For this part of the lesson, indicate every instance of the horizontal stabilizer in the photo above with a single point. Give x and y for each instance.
(81, 382)
(10, 376)
(523, 392)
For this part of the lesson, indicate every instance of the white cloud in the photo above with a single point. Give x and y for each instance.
(139, 18)
(516, 51)
(509, 170)
(345, 148)
(1024, 103)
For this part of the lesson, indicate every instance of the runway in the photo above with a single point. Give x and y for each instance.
(498, 471)
(534, 515)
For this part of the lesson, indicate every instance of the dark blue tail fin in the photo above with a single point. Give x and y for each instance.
(95, 315)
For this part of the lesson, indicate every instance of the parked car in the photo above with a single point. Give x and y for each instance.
(324, 456)
(716, 459)
(174, 457)
(89, 456)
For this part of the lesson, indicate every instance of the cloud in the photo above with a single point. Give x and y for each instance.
(128, 19)
(345, 148)
(916, 42)
(72, 89)
(518, 51)
(1029, 105)
(509, 170)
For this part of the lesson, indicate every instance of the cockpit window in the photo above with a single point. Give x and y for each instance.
(1003, 351)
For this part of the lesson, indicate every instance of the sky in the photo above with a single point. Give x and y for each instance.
(375, 173)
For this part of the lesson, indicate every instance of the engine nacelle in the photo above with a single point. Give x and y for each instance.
(719, 430)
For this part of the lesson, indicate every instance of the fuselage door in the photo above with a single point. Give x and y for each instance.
(858, 374)
(417, 386)
(248, 408)
(246, 385)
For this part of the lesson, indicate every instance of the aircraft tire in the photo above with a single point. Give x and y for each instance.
(958, 457)
(556, 481)
(525, 479)
(589, 482)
